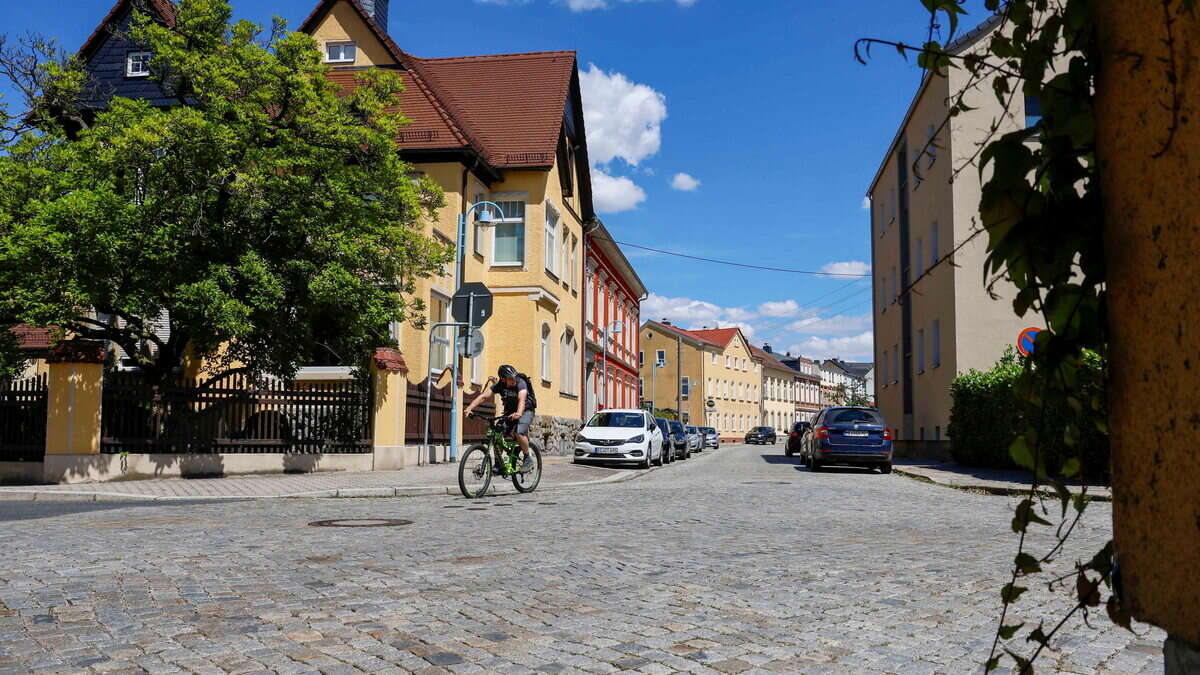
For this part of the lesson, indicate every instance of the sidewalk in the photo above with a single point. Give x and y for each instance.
(437, 479)
(995, 481)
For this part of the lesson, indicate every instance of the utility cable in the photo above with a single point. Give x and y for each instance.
(731, 263)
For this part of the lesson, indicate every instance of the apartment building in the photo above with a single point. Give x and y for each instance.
(933, 317)
(507, 129)
(780, 390)
(699, 367)
(808, 398)
(611, 322)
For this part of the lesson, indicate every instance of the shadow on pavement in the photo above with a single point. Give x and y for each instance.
(23, 510)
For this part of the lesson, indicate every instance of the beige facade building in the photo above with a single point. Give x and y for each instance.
(780, 390)
(933, 316)
(701, 366)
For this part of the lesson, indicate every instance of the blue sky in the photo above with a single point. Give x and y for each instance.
(759, 103)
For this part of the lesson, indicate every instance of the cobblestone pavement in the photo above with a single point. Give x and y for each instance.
(998, 480)
(436, 478)
(734, 561)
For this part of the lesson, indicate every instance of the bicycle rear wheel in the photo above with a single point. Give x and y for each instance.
(475, 472)
(527, 481)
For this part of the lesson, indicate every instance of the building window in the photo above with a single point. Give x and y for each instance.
(574, 263)
(439, 310)
(920, 256)
(714, 358)
(340, 52)
(685, 387)
(894, 292)
(508, 236)
(551, 252)
(1033, 111)
(641, 359)
(641, 389)
(935, 347)
(884, 368)
(660, 357)
(920, 350)
(137, 64)
(895, 364)
(545, 352)
(933, 244)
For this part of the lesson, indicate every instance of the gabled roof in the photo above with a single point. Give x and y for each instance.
(689, 335)
(717, 336)
(164, 8)
(508, 108)
(769, 359)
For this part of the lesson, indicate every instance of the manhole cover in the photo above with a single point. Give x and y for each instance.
(363, 522)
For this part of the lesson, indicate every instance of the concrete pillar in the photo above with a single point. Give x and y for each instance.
(389, 375)
(76, 383)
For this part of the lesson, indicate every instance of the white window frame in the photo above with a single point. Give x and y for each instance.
(507, 220)
(685, 387)
(550, 255)
(574, 283)
(546, 364)
(443, 334)
(142, 57)
(342, 44)
(660, 356)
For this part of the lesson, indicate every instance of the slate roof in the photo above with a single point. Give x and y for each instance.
(769, 359)
(164, 8)
(507, 107)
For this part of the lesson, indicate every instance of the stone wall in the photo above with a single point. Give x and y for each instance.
(556, 435)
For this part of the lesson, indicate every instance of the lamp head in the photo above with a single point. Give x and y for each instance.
(484, 217)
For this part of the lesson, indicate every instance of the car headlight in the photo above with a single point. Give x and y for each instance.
(583, 439)
(640, 438)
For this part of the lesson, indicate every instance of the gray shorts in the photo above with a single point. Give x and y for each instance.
(522, 425)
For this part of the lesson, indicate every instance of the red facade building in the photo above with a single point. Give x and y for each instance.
(611, 317)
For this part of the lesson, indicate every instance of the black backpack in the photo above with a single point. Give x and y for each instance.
(530, 396)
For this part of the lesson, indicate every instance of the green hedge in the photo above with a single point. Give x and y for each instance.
(986, 417)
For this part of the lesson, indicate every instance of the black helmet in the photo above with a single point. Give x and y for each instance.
(506, 372)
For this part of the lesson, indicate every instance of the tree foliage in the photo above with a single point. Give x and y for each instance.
(267, 216)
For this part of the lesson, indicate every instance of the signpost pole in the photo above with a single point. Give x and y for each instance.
(455, 403)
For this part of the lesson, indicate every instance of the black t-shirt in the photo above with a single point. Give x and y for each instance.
(509, 395)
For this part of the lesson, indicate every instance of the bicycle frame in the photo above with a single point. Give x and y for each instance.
(500, 443)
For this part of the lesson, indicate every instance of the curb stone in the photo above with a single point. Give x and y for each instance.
(989, 489)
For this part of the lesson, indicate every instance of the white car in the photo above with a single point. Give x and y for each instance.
(626, 436)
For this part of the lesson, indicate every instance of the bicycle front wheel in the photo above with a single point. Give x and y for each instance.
(527, 481)
(475, 472)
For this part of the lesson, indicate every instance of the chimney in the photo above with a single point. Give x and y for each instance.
(767, 349)
(378, 9)
(666, 322)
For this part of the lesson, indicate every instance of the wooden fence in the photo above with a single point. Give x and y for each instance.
(23, 420)
(439, 416)
(235, 413)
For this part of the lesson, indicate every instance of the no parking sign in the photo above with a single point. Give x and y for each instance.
(1027, 340)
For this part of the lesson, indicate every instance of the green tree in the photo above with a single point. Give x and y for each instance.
(267, 217)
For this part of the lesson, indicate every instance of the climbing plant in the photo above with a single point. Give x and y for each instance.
(1042, 216)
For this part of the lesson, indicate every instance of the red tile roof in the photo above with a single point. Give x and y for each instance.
(507, 107)
(717, 336)
(29, 337)
(768, 358)
(164, 8)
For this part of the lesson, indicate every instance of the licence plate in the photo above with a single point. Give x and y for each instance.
(608, 451)
(857, 434)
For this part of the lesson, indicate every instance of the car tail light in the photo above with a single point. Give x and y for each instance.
(794, 434)
(887, 434)
(823, 432)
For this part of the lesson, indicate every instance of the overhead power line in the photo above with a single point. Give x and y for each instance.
(734, 264)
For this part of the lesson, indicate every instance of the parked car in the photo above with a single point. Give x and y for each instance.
(711, 438)
(695, 439)
(625, 436)
(679, 437)
(668, 445)
(848, 435)
(761, 435)
(795, 439)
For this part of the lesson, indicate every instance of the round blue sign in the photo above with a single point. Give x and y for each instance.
(1027, 340)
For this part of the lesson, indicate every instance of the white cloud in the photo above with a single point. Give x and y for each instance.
(866, 204)
(739, 314)
(747, 329)
(624, 118)
(852, 267)
(614, 194)
(833, 325)
(685, 182)
(782, 309)
(859, 347)
(682, 311)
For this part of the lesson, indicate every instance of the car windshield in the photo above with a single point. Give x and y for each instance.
(620, 420)
(765, 430)
(693, 430)
(676, 428)
(854, 416)
(708, 430)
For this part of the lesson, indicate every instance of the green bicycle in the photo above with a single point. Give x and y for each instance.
(497, 455)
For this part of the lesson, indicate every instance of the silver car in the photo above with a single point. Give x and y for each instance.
(695, 439)
(711, 438)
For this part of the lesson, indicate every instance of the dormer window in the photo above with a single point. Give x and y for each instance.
(137, 64)
(340, 52)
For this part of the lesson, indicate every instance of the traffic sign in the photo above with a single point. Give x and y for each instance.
(472, 304)
(711, 404)
(1027, 340)
(470, 346)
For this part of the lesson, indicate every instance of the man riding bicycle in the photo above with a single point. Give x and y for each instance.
(519, 405)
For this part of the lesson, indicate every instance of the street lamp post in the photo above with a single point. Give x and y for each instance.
(613, 328)
(460, 249)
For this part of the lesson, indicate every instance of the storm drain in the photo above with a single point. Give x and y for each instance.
(361, 522)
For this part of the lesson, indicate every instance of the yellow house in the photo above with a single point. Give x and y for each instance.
(700, 366)
(507, 129)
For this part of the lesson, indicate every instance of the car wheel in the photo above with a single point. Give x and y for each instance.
(885, 468)
(646, 463)
(788, 452)
(662, 457)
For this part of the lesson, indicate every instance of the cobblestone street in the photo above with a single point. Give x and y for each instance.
(735, 561)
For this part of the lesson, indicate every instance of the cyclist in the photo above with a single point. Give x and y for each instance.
(519, 405)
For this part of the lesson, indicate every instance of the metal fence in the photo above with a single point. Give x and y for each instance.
(439, 416)
(235, 413)
(23, 420)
